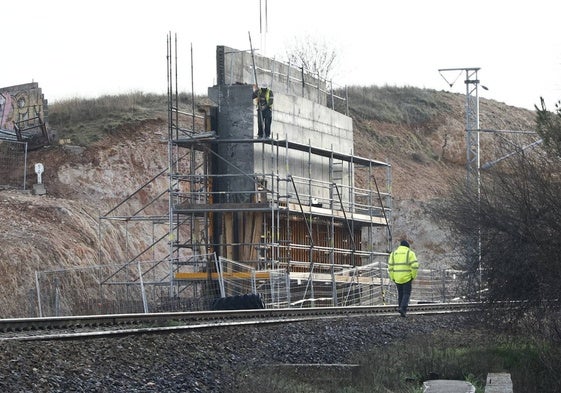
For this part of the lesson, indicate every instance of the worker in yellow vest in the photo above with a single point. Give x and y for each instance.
(265, 98)
(402, 268)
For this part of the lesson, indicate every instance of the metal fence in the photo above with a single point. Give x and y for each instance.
(13, 164)
(100, 289)
(238, 279)
(139, 288)
(370, 285)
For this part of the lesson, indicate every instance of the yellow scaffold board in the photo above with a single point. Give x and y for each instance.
(197, 276)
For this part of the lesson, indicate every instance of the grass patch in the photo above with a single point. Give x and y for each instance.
(397, 105)
(468, 357)
(404, 366)
(85, 121)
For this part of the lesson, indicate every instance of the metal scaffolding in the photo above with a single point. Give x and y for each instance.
(313, 229)
(304, 226)
(317, 231)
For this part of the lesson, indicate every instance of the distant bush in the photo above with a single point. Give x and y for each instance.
(78, 110)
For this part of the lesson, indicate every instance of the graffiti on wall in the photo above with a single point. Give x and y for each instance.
(22, 113)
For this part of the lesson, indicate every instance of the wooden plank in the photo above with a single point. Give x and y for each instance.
(256, 234)
(229, 234)
(198, 276)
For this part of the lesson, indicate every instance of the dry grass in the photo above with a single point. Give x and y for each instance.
(84, 121)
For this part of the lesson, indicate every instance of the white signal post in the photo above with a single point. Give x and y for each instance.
(39, 171)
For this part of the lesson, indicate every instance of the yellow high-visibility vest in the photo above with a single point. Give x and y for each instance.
(402, 265)
(265, 100)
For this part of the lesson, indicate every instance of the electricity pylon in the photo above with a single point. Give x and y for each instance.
(473, 178)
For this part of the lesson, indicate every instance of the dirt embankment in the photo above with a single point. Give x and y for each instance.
(424, 159)
(62, 228)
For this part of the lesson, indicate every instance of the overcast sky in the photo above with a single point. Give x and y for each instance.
(90, 48)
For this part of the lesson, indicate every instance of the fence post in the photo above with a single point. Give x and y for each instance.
(57, 297)
(40, 309)
(144, 302)
(443, 285)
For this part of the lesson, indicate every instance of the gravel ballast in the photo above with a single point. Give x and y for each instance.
(210, 360)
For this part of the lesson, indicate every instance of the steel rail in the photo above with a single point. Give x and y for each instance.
(87, 326)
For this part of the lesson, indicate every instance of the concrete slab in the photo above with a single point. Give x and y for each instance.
(498, 383)
(447, 386)
(39, 189)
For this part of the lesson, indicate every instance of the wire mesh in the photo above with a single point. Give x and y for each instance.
(139, 287)
(100, 289)
(13, 163)
(236, 278)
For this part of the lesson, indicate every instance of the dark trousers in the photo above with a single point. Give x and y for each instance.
(403, 295)
(264, 120)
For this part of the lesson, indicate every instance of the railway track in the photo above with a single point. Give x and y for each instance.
(75, 327)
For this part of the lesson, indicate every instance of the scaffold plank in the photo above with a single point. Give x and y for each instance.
(197, 276)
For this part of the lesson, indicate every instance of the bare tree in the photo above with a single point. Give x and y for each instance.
(518, 217)
(315, 56)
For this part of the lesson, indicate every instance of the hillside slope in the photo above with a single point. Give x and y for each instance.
(420, 132)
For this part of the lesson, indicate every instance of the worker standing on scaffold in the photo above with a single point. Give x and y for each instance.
(264, 97)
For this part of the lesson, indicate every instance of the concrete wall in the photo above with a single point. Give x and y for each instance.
(236, 67)
(304, 121)
(296, 119)
(299, 115)
(20, 103)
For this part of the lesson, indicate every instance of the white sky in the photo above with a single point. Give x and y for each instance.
(90, 48)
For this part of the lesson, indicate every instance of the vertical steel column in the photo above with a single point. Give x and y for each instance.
(311, 256)
(288, 243)
(473, 178)
(472, 129)
(170, 139)
(389, 205)
(335, 301)
(274, 197)
(473, 166)
(352, 206)
(192, 170)
(263, 175)
(370, 237)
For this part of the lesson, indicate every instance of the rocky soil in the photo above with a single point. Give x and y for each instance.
(62, 228)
